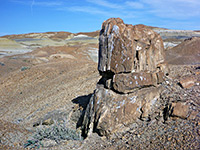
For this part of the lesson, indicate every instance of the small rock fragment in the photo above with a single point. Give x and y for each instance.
(48, 122)
(180, 110)
(187, 81)
(193, 115)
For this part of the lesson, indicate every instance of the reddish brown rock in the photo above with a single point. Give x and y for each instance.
(197, 73)
(193, 115)
(159, 77)
(180, 110)
(131, 63)
(127, 82)
(128, 48)
(187, 81)
(108, 111)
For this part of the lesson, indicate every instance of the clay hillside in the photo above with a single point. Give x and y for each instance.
(121, 87)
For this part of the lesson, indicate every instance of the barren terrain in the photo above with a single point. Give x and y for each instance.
(46, 79)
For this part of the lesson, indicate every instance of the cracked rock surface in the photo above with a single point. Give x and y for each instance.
(131, 60)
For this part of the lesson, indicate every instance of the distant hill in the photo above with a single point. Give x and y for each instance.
(170, 37)
(51, 35)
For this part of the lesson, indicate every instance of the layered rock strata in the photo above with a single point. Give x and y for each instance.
(131, 63)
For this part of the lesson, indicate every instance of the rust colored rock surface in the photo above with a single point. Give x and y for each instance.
(187, 81)
(193, 115)
(160, 76)
(108, 111)
(128, 48)
(131, 63)
(127, 82)
(180, 110)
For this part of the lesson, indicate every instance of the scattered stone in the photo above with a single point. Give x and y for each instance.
(24, 68)
(197, 73)
(48, 122)
(148, 131)
(61, 56)
(2, 64)
(180, 110)
(193, 115)
(187, 81)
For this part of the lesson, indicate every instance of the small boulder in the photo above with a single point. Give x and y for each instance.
(187, 81)
(193, 115)
(48, 122)
(180, 110)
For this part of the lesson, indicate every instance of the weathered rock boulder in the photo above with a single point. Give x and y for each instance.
(128, 51)
(128, 48)
(131, 63)
(108, 111)
(179, 110)
(187, 81)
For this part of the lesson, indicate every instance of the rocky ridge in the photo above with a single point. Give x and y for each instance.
(187, 53)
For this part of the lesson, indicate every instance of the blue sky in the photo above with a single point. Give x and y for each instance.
(25, 16)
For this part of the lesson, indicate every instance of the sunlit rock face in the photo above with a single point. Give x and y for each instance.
(110, 112)
(127, 48)
(131, 63)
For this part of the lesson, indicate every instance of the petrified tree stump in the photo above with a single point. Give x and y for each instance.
(131, 63)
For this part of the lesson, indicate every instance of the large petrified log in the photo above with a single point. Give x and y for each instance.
(131, 63)
(128, 48)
